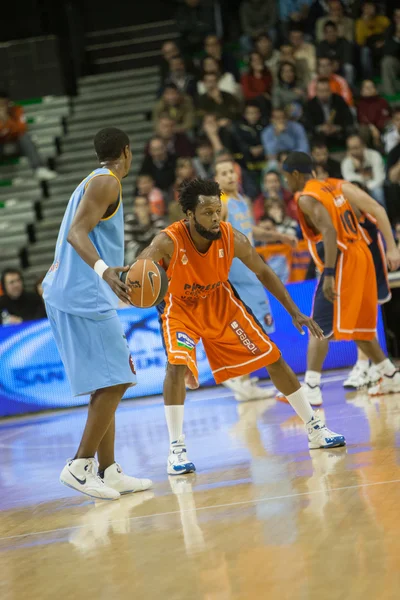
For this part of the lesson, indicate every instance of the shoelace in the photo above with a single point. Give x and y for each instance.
(91, 468)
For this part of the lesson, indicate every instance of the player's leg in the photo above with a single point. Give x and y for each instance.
(284, 379)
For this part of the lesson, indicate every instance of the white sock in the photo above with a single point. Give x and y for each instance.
(301, 405)
(363, 364)
(386, 367)
(174, 416)
(312, 377)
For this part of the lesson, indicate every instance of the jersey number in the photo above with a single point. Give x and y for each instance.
(348, 221)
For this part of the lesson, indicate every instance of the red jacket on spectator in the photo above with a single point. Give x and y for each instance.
(287, 197)
(373, 110)
(13, 127)
(253, 86)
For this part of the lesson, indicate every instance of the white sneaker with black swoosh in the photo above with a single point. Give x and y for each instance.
(81, 475)
(115, 478)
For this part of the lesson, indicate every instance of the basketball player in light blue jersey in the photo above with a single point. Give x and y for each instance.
(81, 291)
(237, 211)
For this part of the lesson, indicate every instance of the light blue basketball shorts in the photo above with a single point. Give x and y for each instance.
(95, 354)
(256, 299)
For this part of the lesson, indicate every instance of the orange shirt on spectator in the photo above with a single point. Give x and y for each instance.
(14, 126)
(338, 86)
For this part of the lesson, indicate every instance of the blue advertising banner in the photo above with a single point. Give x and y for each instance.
(32, 376)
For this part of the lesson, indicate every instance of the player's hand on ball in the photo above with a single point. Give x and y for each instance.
(328, 288)
(393, 259)
(111, 276)
(300, 321)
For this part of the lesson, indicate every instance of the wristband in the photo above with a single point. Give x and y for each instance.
(100, 266)
(329, 271)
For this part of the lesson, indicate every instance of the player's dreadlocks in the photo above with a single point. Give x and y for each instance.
(190, 190)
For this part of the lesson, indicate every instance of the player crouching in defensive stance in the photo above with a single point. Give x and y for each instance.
(197, 253)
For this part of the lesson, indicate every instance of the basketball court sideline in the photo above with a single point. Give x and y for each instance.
(263, 517)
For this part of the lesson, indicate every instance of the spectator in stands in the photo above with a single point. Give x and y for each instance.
(366, 166)
(213, 47)
(272, 189)
(391, 137)
(294, 12)
(194, 20)
(14, 137)
(184, 172)
(337, 84)
(257, 82)
(179, 107)
(303, 50)
(328, 115)
(323, 162)
(248, 144)
(283, 134)
(288, 92)
(226, 81)
(300, 64)
(17, 305)
(373, 114)
(203, 163)
(179, 76)
(264, 46)
(370, 30)
(177, 144)
(169, 50)
(140, 228)
(390, 66)
(159, 164)
(146, 187)
(336, 15)
(274, 214)
(225, 106)
(339, 50)
(257, 17)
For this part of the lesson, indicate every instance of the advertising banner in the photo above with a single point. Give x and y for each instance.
(32, 376)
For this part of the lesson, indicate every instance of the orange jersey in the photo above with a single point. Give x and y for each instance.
(194, 276)
(329, 193)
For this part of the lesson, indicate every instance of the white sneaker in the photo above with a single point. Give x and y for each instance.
(81, 475)
(44, 174)
(319, 436)
(178, 463)
(115, 478)
(373, 376)
(246, 389)
(357, 377)
(388, 384)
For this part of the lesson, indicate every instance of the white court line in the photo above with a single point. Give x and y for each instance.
(213, 506)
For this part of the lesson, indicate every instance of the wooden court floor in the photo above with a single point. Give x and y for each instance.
(263, 518)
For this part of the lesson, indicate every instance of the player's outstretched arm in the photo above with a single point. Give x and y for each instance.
(253, 261)
(321, 220)
(366, 204)
(161, 248)
(101, 193)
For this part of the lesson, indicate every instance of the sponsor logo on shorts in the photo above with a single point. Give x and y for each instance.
(244, 338)
(132, 364)
(184, 341)
(184, 259)
(221, 253)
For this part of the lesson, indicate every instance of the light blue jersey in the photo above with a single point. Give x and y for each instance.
(246, 283)
(81, 306)
(71, 285)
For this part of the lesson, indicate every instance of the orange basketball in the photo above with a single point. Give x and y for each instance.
(148, 282)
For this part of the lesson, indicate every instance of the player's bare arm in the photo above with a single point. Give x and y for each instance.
(101, 194)
(319, 219)
(161, 248)
(253, 261)
(364, 203)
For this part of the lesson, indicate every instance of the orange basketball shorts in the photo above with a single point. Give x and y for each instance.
(234, 341)
(354, 314)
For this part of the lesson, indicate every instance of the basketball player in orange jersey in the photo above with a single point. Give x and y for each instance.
(197, 253)
(346, 299)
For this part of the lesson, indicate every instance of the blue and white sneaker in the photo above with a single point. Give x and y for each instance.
(178, 463)
(319, 436)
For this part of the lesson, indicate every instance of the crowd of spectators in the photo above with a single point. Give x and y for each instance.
(318, 76)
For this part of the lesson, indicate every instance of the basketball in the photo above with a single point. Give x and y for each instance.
(148, 282)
